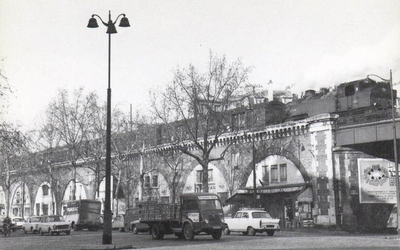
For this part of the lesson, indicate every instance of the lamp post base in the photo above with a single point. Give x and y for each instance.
(107, 239)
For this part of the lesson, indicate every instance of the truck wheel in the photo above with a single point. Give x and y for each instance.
(135, 230)
(188, 233)
(156, 232)
(217, 234)
(251, 231)
(227, 231)
(270, 232)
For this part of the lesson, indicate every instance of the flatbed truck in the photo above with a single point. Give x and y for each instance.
(196, 213)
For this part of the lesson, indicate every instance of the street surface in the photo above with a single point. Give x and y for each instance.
(281, 240)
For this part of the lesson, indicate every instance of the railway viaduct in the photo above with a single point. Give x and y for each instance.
(307, 169)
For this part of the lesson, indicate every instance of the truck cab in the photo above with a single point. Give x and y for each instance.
(201, 213)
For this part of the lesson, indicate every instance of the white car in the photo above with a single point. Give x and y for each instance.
(251, 221)
(17, 222)
(31, 224)
(53, 224)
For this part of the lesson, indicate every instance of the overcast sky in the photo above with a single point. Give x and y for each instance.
(45, 45)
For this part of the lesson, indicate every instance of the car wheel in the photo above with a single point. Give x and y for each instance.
(188, 233)
(25, 232)
(245, 233)
(50, 232)
(135, 230)
(68, 232)
(251, 231)
(270, 232)
(227, 231)
(41, 232)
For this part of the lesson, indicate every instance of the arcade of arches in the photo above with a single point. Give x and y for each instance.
(295, 169)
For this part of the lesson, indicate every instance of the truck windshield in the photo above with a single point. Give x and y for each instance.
(261, 215)
(210, 204)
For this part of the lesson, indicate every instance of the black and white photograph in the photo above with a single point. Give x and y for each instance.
(199, 124)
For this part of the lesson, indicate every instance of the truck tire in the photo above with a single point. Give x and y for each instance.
(188, 233)
(216, 234)
(156, 232)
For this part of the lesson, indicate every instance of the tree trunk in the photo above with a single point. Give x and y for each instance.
(205, 177)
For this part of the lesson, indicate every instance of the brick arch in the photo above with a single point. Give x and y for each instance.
(270, 151)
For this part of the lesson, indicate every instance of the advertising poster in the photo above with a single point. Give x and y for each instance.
(377, 181)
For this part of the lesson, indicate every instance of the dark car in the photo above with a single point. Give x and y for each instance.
(132, 221)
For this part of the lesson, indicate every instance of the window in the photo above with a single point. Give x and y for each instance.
(283, 172)
(155, 180)
(18, 197)
(191, 205)
(198, 187)
(349, 90)
(147, 181)
(245, 215)
(45, 189)
(210, 175)
(238, 215)
(45, 209)
(274, 173)
(238, 121)
(199, 176)
(37, 209)
(265, 175)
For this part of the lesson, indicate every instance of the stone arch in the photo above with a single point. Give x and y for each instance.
(270, 151)
(218, 175)
(21, 203)
(49, 202)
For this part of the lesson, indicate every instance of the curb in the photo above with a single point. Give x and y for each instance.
(101, 247)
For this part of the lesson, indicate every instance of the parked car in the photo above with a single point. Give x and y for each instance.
(2, 217)
(137, 226)
(31, 224)
(132, 221)
(53, 224)
(17, 223)
(251, 221)
(118, 223)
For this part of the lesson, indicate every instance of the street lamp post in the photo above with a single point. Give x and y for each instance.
(396, 166)
(107, 236)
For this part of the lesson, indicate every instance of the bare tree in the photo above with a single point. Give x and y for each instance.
(175, 163)
(72, 123)
(193, 108)
(13, 157)
(5, 89)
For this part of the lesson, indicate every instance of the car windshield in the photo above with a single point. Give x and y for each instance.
(261, 215)
(55, 218)
(210, 204)
(35, 219)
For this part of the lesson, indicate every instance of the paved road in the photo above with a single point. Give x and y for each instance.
(281, 240)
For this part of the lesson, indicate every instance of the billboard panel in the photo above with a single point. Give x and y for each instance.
(377, 181)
